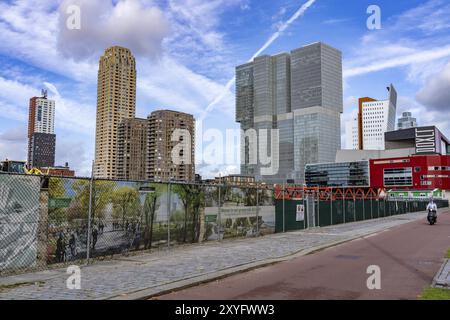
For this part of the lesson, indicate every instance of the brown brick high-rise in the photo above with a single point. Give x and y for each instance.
(160, 166)
(132, 149)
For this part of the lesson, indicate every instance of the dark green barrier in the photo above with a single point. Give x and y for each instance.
(349, 211)
(325, 213)
(290, 222)
(382, 205)
(337, 212)
(375, 209)
(340, 211)
(360, 214)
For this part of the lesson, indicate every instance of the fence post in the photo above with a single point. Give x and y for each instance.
(169, 191)
(371, 208)
(331, 207)
(354, 206)
(378, 207)
(42, 234)
(284, 223)
(343, 206)
(364, 208)
(257, 211)
(304, 208)
(89, 231)
(318, 210)
(219, 215)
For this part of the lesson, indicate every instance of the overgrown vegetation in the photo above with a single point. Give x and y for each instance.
(435, 294)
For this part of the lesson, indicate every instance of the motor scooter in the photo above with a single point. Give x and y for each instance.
(432, 217)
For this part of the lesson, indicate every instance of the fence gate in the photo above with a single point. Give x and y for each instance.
(311, 210)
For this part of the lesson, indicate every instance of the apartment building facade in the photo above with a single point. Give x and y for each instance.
(171, 146)
(41, 132)
(116, 100)
(132, 137)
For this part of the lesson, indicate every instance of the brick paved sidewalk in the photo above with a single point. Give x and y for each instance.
(147, 274)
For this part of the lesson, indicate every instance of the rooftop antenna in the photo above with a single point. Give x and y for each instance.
(44, 93)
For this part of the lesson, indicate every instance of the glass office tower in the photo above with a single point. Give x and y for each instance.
(300, 95)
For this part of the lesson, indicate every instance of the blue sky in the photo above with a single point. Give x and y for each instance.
(186, 52)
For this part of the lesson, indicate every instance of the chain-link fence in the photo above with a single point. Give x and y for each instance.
(20, 222)
(49, 221)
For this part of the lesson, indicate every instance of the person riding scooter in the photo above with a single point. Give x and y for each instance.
(432, 212)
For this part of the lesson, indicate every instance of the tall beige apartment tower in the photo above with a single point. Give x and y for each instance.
(116, 100)
(164, 141)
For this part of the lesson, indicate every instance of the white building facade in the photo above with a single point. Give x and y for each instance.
(44, 118)
(375, 118)
(351, 134)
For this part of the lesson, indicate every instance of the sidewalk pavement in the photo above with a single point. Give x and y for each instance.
(142, 276)
(442, 278)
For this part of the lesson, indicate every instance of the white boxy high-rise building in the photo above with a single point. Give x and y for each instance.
(351, 134)
(375, 117)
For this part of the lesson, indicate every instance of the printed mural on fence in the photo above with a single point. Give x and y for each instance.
(19, 219)
(124, 216)
(243, 212)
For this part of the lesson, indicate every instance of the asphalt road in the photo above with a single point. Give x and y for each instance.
(408, 256)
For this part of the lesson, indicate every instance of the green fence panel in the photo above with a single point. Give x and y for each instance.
(360, 210)
(349, 211)
(324, 213)
(344, 211)
(375, 208)
(381, 204)
(337, 211)
(290, 215)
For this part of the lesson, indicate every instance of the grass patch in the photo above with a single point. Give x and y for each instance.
(20, 284)
(435, 294)
(448, 254)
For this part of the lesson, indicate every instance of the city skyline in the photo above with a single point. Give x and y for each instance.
(174, 73)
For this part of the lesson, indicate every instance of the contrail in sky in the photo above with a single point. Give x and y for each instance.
(272, 38)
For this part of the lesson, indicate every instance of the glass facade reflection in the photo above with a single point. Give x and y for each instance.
(345, 174)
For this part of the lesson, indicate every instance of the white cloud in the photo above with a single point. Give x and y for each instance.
(399, 61)
(281, 29)
(436, 92)
(425, 115)
(78, 153)
(405, 41)
(13, 143)
(128, 23)
(71, 115)
(14, 98)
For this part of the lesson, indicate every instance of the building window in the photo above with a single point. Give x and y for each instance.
(398, 177)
